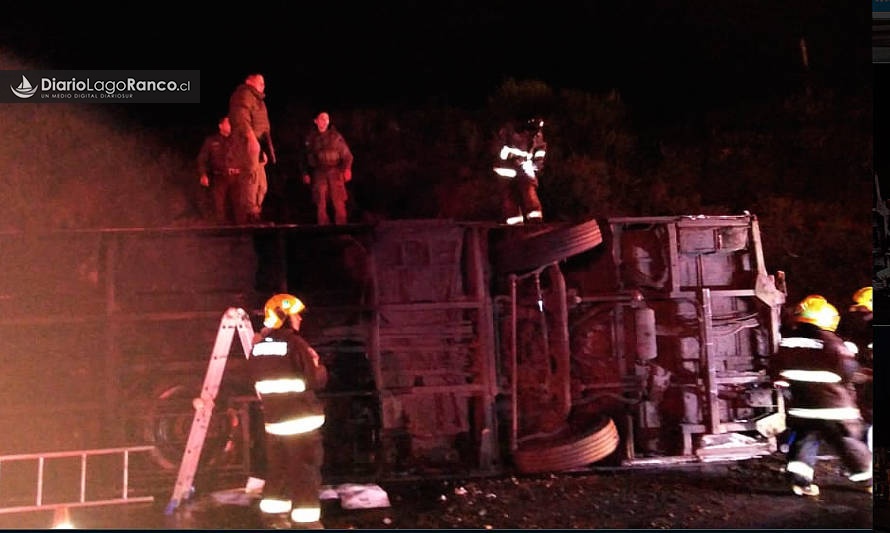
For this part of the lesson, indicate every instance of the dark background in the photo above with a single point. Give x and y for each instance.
(881, 137)
(666, 58)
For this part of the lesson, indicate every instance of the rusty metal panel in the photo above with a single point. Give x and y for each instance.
(55, 363)
(403, 313)
(170, 272)
(697, 240)
(430, 366)
(699, 275)
(418, 262)
(644, 257)
(42, 270)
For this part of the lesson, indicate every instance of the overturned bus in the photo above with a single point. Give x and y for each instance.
(453, 347)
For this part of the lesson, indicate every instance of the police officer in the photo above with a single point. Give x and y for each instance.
(219, 173)
(286, 373)
(819, 370)
(327, 166)
(252, 144)
(520, 159)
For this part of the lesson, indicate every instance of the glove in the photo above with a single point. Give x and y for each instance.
(268, 148)
(529, 168)
(347, 174)
(198, 404)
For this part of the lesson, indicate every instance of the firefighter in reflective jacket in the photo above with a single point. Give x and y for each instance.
(860, 331)
(859, 327)
(520, 160)
(819, 370)
(286, 372)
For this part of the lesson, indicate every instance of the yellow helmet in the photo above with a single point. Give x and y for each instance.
(279, 307)
(815, 309)
(862, 300)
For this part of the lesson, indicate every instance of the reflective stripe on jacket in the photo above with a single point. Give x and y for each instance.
(285, 377)
(818, 368)
(522, 155)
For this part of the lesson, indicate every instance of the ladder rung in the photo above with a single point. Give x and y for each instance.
(81, 455)
(232, 320)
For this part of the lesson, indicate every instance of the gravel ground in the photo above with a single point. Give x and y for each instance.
(749, 494)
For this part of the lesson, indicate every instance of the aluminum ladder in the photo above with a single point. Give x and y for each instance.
(40, 502)
(234, 319)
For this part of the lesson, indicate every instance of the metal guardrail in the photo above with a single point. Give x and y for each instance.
(82, 500)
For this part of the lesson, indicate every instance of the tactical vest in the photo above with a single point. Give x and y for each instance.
(324, 149)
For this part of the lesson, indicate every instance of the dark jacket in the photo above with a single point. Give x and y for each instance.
(820, 370)
(215, 156)
(325, 152)
(250, 123)
(247, 110)
(522, 152)
(284, 354)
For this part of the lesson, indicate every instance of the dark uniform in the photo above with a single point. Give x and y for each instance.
(326, 158)
(819, 370)
(858, 328)
(250, 124)
(215, 159)
(520, 160)
(285, 374)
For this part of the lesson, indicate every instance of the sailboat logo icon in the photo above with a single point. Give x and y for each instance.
(24, 90)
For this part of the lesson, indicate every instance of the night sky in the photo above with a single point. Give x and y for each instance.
(666, 58)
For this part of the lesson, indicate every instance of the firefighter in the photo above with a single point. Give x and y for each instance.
(819, 369)
(862, 301)
(286, 373)
(520, 159)
(861, 333)
(858, 328)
